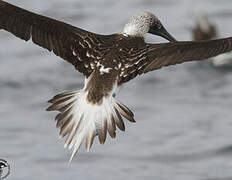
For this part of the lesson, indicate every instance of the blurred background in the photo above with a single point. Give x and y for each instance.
(183, 112)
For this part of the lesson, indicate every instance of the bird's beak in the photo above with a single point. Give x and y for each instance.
(162, 32)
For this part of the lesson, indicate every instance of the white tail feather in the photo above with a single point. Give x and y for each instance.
(81, 120)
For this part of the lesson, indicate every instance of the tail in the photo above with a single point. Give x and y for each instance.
(78, 119)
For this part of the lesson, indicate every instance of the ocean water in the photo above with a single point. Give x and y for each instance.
(183, 112)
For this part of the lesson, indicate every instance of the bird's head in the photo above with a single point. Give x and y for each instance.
(203, 22)
(144, 23)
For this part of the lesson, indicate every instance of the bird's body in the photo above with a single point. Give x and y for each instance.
(204, 30)
(107, 62)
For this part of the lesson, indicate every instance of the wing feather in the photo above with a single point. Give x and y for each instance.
(179, 52)
(157, 56)
(63, 39)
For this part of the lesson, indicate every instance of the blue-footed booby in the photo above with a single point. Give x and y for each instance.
(204, 30)
(107, 62)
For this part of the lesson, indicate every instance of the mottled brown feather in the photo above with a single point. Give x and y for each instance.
(58, 116)
(89, 140)
(61, 119)
(102, 131)
(179, 52)
(55, 107)
(73, 131)
(148, 57)
(118, 120)
(53, 35)
(73, 44)
(61, 95)
(127, 113)
(67, 126)
(66, 107)
(54, 100)
(111, 127)
(61, 104)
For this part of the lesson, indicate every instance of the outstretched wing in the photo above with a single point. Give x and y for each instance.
(155, 56)
(179, 52)
(75, 45)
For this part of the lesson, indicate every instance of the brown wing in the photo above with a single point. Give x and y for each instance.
(77, 46)
(179, 52)
(155, 56)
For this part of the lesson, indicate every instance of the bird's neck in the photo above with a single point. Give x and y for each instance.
(133, 30)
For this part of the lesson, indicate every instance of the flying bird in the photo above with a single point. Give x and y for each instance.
(107, 62)
(204, 30)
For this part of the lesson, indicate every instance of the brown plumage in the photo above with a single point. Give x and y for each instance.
(107, 61)
(199, 35)
(204, 30)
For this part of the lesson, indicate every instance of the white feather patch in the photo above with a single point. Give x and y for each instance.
(80, 120)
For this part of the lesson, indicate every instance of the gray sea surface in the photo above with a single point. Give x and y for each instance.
(183, 112)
